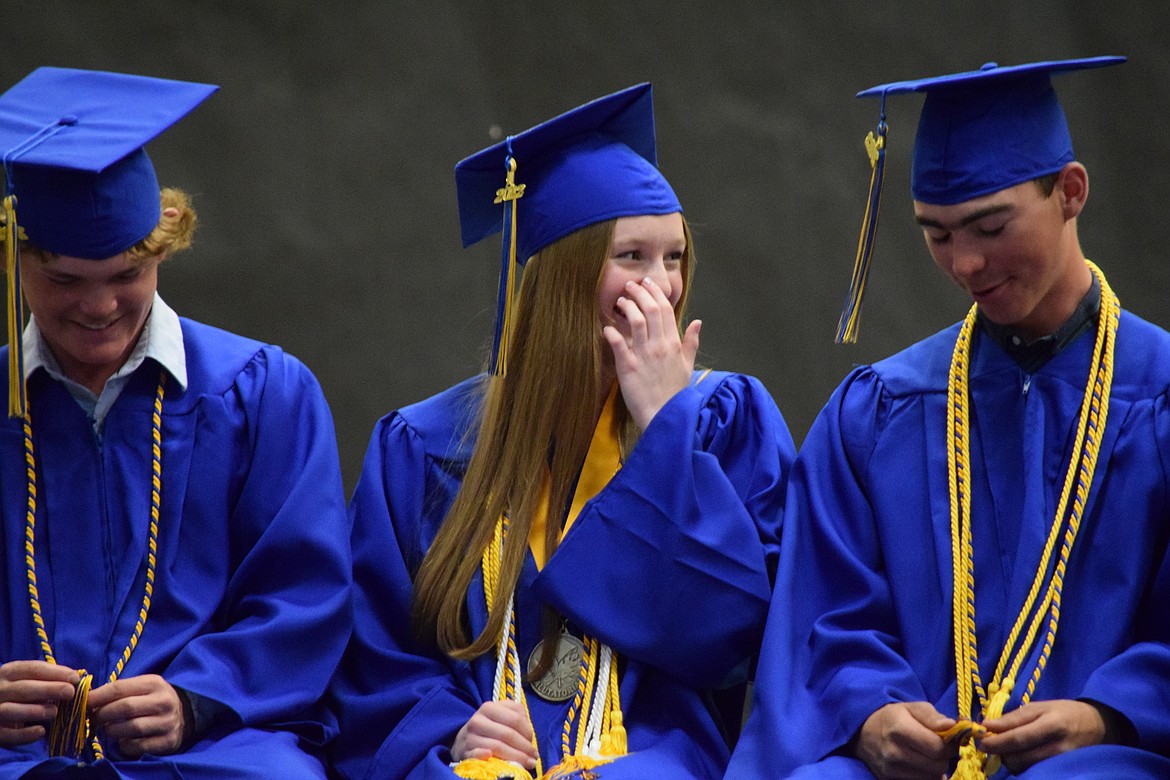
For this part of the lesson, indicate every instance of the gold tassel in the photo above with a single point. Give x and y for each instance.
(576, 767)
(489, 769)
(850, 323)
(70, 728)
(511, 192)
(12, 235)
(997, 698)
(613, 742)
(970, 765)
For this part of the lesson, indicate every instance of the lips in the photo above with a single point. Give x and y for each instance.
(95, 327)
(986, 292)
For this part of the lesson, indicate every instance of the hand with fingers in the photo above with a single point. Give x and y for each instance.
(144, 714)
(901, 741)
(500, 729)
(30, 694)
(1041, 729)
(651, 360)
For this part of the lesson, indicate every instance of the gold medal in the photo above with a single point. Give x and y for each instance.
(559, 683)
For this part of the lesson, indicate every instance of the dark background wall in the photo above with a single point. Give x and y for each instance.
(323, 169)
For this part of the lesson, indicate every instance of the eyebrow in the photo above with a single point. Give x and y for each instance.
(967, 220)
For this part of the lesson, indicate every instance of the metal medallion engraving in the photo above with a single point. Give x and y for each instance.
(559, 683)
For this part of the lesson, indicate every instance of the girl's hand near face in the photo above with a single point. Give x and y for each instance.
(651, 361)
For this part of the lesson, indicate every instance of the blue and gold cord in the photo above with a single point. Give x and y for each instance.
(71, 728)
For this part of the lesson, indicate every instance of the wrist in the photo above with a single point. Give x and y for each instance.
(1119, 730)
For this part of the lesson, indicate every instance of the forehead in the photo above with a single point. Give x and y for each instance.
(92, 269)
(1004, 200)
(649, 227)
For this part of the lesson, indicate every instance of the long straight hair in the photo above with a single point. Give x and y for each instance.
(542, 413)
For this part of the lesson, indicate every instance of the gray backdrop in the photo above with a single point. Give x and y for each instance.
(322, 171)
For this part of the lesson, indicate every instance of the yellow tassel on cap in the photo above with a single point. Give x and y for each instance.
(510, 193)
(850, 322)
(12, 235)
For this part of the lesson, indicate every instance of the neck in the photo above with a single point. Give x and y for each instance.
(1067, 297)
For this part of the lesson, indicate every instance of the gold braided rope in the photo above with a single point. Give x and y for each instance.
(613, 740)
(1078, 480)
(71, 728)
(587, 679)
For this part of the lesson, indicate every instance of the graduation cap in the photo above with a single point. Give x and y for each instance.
(979, 132)
(78, 181)
(593, 163)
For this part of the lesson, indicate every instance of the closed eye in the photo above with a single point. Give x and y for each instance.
(989, 232)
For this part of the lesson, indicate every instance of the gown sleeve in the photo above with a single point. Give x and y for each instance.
(286, 606)
(671, 562)
(1136, 682)
(830, 655)
(389, 682)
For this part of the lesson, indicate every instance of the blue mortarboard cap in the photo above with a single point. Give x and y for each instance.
(979, 132)
(590, 164)
(986, 130)
(72, 146)
(593, 163)
(77, 180)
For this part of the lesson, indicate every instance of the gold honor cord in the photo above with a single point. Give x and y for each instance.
(604, 705)
(973, 763)
(71, 728)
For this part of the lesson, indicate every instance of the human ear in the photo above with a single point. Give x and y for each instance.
(1072, 186)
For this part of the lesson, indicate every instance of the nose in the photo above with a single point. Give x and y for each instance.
(661, 276)
(98, 303)
(966, 260)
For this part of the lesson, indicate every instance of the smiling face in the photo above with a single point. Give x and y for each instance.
(644, 246)
(1015, 251)
(90, 312)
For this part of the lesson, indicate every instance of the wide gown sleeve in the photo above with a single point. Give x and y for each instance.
(285, 614)
(830, 655)
(671, 563)
(1136, 682)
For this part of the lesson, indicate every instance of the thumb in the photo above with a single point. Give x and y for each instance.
(690, 344)
(925, 713)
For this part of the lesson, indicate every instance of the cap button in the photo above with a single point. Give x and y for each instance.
(989, 66)
(68, 119)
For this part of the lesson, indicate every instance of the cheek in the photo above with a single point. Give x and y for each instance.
(611, 287)
(676, 287)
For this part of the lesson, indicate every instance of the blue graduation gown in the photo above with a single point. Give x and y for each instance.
(251, 602)
(669, 564)
(861, 615)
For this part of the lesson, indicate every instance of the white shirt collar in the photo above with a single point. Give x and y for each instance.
(161, 339)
